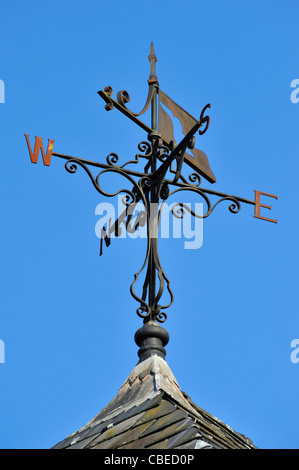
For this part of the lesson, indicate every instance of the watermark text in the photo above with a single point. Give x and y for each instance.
(295, 92)
(177, 220)
(2, 354)
(2, 91)
(295, 352)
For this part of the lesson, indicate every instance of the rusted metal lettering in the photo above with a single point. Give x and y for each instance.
(258, 206)
(38, 145)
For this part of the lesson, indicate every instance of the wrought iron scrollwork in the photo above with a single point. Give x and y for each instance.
(142, 184)
(160, 179)
(123, 98)
(233, 208)
(72, 164)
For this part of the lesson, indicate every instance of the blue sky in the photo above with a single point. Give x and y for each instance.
(67, 318)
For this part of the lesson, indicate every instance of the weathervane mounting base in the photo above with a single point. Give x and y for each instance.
(151, 339)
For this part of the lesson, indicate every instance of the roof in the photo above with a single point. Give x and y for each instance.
(151, 412)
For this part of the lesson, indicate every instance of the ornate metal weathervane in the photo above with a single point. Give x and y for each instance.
(163, 155)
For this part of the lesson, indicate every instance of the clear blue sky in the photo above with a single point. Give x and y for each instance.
(67, 318)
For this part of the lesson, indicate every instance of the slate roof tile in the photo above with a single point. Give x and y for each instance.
(151, 412)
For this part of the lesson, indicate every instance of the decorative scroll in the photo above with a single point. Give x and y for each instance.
(123, 98)
(234, 207)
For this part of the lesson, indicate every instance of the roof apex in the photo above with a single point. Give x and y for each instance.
(163, 380)
(151, 411)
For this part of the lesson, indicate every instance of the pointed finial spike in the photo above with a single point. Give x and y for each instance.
(152, 51)
(153, 59)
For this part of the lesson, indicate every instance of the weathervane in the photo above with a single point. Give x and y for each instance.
(152, 188)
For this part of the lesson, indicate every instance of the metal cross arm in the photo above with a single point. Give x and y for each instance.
(183, 184)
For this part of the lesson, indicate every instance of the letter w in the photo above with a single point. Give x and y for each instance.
(39, 146)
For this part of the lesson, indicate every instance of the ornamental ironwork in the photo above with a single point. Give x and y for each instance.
(164, 161)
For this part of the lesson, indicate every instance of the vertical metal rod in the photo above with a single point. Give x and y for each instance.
(153, 197)
(154, 109)
(153, 216)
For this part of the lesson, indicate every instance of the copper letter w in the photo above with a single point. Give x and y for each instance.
(39, 146)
